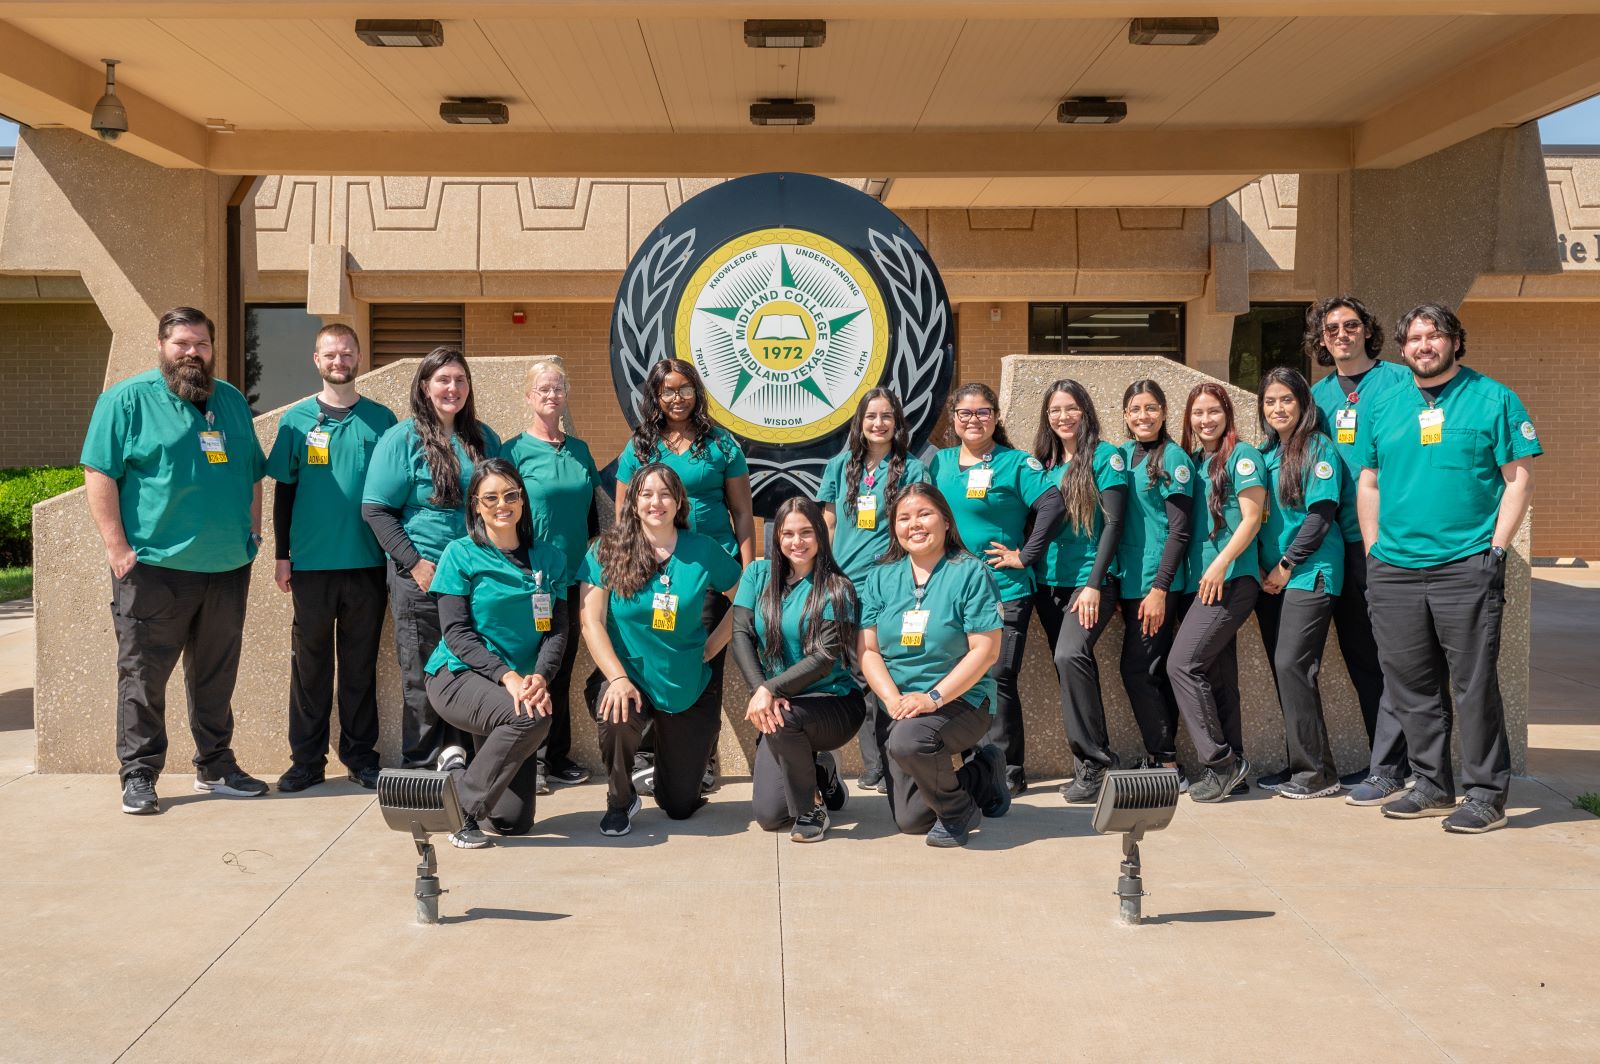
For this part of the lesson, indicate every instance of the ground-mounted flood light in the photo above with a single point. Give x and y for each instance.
(423, 803)
(1091, 110)
(474, 111)
(400, 32)
(785, 33)
(782, 113)
(1180, 32)
(1134, 801)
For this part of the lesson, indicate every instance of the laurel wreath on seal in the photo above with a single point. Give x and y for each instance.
(643, 302)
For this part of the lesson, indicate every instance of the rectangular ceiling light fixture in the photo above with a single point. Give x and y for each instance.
(1091, 110)
(785, 33)
(400, 32)
(1172, 31)
(474, 111)
(782, 113)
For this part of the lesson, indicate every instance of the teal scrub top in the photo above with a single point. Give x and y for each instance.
(751, 587)
(326, 531)
(500, 598)
(1320, 482)
(399, 478)
(667, 667)
(1248, 471)
(560, 482)
(1334, 410)
(960, 597)
(856, 549)
(1438, 502)
(1069, 560)
(1144, 528)
(1001, 514)
(180, 510)
(703, 476)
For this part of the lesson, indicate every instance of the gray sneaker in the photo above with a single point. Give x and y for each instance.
(1375, 790)
(1214, 786)
(811, 826)
(1474, 817)
(1417, 805)
(947, 836)
(1085, 786)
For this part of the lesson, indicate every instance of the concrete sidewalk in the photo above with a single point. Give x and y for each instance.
(281, 928)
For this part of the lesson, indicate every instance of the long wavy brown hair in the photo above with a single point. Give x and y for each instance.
(627, 559)
(443, 465)
(1077, 484)
(1297, 449)
(899, 450)
(653, 420)
(829, 587)
(1217, 498)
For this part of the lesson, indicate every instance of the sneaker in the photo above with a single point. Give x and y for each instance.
(1415, 806)
(1016, 780)
(1375, 790)
(1152, 761)
(471, 836)
(999, 803)
(874, 781)
(1273, 780)
(1291, 789)
(452, 759)
(946, 836)
(366, 776)
(830, 784)
(644, 774)
(619, 822)
(1213, 786)
(569, 776)
(708, 781)
(1085, 786)
(1474, 817)
(139, 793)
(1351, 780)
(812, 826)
(235, 782)
(299, 777)
(541, 784)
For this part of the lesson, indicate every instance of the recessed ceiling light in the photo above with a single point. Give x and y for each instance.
(1091, 110)
(782, 113)
(400, 32)
(474, 111)
(785, 33)
(219, 125)
(1172, 31)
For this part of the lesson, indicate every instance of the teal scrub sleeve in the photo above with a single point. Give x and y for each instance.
(981, 610)
(103, 444)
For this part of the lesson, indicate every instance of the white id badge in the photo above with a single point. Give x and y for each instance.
(913, 626)
(867, 511)
(213, 448)
(664, 615)
(979, 478)
(316, 448)
(541, 613)
(1431, 422)
(1345, 421)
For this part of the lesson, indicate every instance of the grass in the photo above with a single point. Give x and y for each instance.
(16, 582)
(1590, 802)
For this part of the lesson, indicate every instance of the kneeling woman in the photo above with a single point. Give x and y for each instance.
(504, 633)
(794, 630)
(645, 584)
(930, 632)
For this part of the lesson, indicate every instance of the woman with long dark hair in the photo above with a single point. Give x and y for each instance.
(645, 582)
(858, 487)
(414, 500)
(1204, 666)
(930, 632)
(500, 594)
(794, 634)
(1151, 556)
(994, 491)
(1302, 555)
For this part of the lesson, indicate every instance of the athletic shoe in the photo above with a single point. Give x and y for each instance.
(810, 826)
(1085, 786)
(829, 783)
(471, 836)
(619, 822)
(946, 836)
(452, 759)
(1291, 789)
(1216, 786)
(999, 803)
(139, 793)
(874, 781)
(1415, 806)
(299, 777)
(235, 782)
(366, 776)
(1151, 761)
(1272, 781)
(1375, 790)
(1351, 780)
(644, 779)
(708, 781)
(570, 775)
(1475, 817)
(541, 784)
(1016, 780)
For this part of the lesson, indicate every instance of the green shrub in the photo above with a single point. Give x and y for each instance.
(19, 490)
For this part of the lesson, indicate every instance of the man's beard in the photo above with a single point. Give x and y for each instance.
(335, 375)
(1446, 364)
(189, 378)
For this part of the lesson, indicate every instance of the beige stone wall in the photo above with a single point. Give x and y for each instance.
(53, 359)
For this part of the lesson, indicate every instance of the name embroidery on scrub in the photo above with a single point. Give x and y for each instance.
(1431, 421)
(979, 478)
(664, 607)
(542, 606)
(213, 444)
(914, 622)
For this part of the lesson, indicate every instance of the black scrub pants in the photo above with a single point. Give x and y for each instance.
(1294, 631)
(416, 632)
(500, 784)
(161, 615)
(1005, 728)
(923, 786)
(1083, 711)
(1204, 670)
(1353, 622)
(1454, 612)
(338, 618)
(556, 752)
(712, 611)
(683, 743)
(785, 782)
(1144, 677)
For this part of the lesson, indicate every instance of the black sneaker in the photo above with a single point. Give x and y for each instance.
(946, 836)
(1213, 786)
(830, 784)
(235, 782)
(366, 776)
(874, 781)
(708, 781)
(1016, 780)
(618, 822)
(1273, 780)
(1353, 779)
(999, 802)
(139, 793)
(1085, 786)
(1292, 789)
(471, 836)
(1375, 790)
(299, 777)
(1416, 805)
(568, 776)
(811, 826)
(1474, 817)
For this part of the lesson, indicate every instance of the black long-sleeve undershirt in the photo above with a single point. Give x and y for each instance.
(455, 624)
(794, 680)
(391, 534)
(1319, 519)
(1114, 504)
(1179, 524)
(1044, 517)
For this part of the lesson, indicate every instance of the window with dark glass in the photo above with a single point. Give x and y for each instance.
(1265, 337)
(1106, 329)
(278, 340)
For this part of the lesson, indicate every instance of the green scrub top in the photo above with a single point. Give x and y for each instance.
(1320, 482)
(857, 549)
(560, 482)
(326, 531)
(1001, 514)
(960, 597)
(1069, 560)
(399, 478)
(703, 476)
(1144, 528)
(668, 667)
(500, 598)
(1438, 502)
(1248, 471)
(751, 587)
(1335, 409)
(180, 510)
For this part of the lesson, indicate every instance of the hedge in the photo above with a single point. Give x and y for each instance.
(19, 490)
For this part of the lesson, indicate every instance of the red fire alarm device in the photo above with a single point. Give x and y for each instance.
(518, 317)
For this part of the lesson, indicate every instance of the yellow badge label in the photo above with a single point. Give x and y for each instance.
(316, 448)
(913, 625)
(1432, 424)
(664, 612)
(1345, 422)
(212, 446)
(541, 613)
(979, 479)
(867, 512)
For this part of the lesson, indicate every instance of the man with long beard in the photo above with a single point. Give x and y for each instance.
(172, 470)
(1446, 478)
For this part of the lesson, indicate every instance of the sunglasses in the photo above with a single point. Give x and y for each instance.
(490, 498)
(1351, 327)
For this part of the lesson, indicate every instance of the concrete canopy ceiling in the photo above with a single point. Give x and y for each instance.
(957, 110)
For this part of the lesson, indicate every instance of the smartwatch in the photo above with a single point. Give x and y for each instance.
(935, 696)
(1499, 553)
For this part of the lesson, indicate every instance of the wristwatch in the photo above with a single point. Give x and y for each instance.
(1499, 553)
(935, 697)
(1284, 564)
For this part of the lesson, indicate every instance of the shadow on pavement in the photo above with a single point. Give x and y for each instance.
(1210, 916)
(503, 914)
(16, 710)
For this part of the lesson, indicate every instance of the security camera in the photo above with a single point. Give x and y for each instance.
(110, 118)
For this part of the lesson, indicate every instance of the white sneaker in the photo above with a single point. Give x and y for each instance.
(452, 758)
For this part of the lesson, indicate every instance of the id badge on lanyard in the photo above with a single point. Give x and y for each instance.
(979, 479)
(542, 606)
(1345, 422)
(1431, 422)
(867, 511)
(214, 447)
(913, 626)
(317, 447)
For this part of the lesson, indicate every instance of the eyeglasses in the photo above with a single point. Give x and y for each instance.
(490, 498)
(683, 392)
(1350, 327)
(554, 391)
(982, 413)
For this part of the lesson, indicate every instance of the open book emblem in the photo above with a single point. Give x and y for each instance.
(781, 327)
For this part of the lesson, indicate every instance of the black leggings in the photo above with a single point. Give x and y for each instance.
(557, 748)
(499, 785)
(1204, 669)
(785, 773)
(1144, 677)
(1005, 727)
(1083, 711)
(683, 743)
